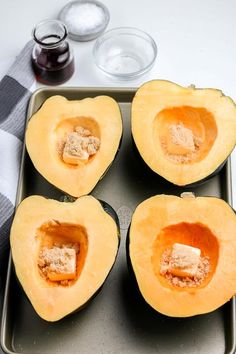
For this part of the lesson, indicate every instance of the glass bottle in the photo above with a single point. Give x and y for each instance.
(52, 58)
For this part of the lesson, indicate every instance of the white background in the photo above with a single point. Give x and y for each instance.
(195, 39)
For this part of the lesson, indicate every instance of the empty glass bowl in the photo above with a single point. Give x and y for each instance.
(125, 52)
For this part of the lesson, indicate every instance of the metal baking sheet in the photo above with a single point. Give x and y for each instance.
(117, 320)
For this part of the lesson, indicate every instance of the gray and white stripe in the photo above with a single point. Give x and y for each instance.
(15, 90)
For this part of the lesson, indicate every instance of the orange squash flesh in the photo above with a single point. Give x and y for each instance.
(184, 134)
(41, 222)
(206, 223)
(48, 130)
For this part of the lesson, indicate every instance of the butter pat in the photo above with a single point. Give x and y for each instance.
(72, 159)
(184, 260)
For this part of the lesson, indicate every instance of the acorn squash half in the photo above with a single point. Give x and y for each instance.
(183, 134)
(63, 252)
(182, 253)
(72, 143)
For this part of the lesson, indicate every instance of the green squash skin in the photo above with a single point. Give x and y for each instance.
(128, 259)
(133, 280)
(190, 185)
(110, 211)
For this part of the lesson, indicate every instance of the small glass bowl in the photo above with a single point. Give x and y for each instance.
(72, 9)
(125, 52)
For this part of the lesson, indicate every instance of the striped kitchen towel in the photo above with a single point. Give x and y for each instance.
(15, 90)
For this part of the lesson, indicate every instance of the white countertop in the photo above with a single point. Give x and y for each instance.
(195, 39)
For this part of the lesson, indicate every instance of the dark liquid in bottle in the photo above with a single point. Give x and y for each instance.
(53, 65)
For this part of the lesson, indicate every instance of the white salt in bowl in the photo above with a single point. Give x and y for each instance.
(85, 19)
(125, 52)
